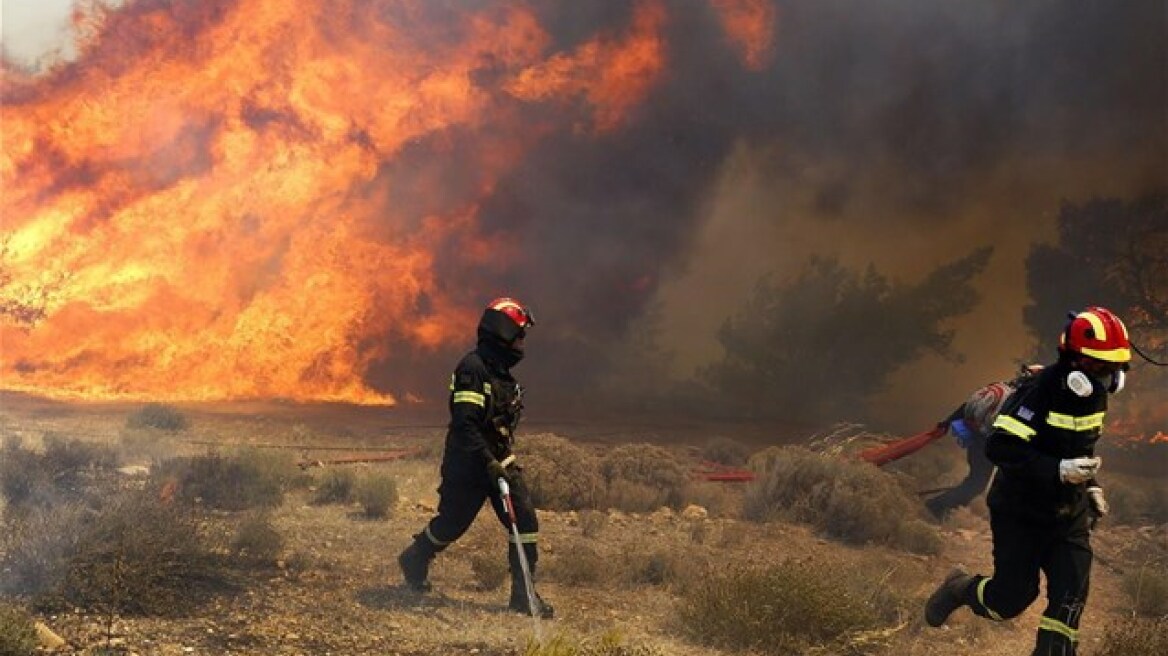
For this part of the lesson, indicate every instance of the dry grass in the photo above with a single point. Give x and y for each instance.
(609, 644)
(780, 609)
(18, 635)
(1135, 637)
(1148, 588)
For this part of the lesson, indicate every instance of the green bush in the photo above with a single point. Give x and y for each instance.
(336, 487)
(18, 636)
(377, 494)
(781, 609)
(851, 501)
(158, 415)
(559, 474)
(643, 477)
(1134, 637)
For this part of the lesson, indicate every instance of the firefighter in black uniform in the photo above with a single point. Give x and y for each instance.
(485, 405)
(1045, 497)
(971, 424)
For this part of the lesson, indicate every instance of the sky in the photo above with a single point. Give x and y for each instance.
(36, 29)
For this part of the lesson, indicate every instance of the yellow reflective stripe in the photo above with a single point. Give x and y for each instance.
(1096, 325)
(524, 538)
(1049, 624)
(487, 389)
(1069, 422)
(1014, 427)
(981, 600)
(451, 382)
(1110, 355)
(433, 540)
(470, 397)
(508, 460)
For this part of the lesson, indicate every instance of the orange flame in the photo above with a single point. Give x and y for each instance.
(750, 24)
(196, 210)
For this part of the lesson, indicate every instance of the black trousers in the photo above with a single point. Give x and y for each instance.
(461, 495)
(1022, 549)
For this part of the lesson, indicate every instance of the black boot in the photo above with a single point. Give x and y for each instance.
(415, 563)
(519, 601)
(948, 597)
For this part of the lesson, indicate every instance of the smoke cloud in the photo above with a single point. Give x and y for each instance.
(901, 134)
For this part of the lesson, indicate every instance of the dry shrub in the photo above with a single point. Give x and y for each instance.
(139, 556)
(719, 499)
(1148, 588)
(257, 540)
(726, 451)
(35, 548)
(851, 501)
(158, 415)
(661, 566)
(782, 609)
(643, 477)
(1134, 637)
(18, 636)
(490, 571)
(579, 564)
(66, 470)
(131, 554)
(631, 496)
(592, 522)
(221, 482)
(65, 456)
(1136, 504)
(336, 487)
(609, 644)
(377, 494)
(933, 466)
(559, 474)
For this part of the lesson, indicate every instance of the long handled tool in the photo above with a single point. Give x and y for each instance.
(528, 584)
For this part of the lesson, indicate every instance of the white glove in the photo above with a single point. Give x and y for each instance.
(1078, 470)
(1098, 501)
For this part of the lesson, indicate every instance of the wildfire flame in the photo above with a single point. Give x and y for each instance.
(201, 207)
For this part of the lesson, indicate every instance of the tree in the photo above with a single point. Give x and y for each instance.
(1113, 253)
(817, 347)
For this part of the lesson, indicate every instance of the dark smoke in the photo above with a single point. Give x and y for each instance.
(970, 121)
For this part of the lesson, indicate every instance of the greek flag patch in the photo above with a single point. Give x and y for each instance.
(1025, 413)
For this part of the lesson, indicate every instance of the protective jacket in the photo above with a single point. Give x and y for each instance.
(485, 406)
(1041, 424)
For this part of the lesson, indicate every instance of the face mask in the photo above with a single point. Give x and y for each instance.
(1080, 383)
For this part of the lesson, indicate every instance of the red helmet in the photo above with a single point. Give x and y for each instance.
(513, 309)
(504, 320)
(1097, 333)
